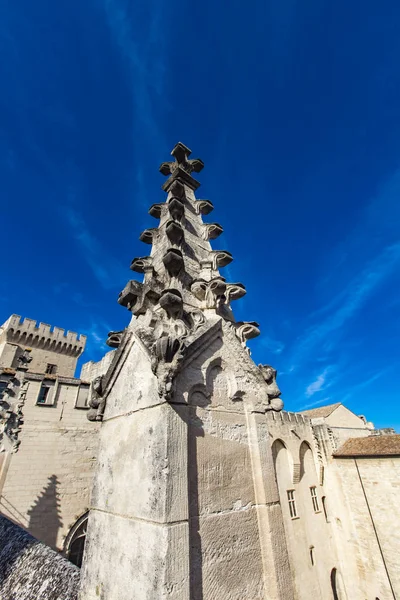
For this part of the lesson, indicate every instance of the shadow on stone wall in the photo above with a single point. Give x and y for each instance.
(44, 515)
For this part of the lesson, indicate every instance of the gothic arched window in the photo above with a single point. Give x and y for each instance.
(75, 540)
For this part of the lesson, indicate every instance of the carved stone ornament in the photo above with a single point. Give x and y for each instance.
(235, 291)
(176, 209)
(211, 231)
(177, 189)
(155, 210)
(148, 235)
(11, 416)
(221, 258)
(171, 301)
(114, 338)
(203, 207)
(168, 352)
(141, 264)
(246, 330)
(273, 392)
(174, 232)
(138, 297)
(173, 261)
(181, 154)
(97, 402)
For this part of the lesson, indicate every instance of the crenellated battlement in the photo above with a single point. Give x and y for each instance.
(288, 417)
(29, 333)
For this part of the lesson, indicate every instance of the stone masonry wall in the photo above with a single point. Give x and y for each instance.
(366, 521)
(48, 482)
(309, 537)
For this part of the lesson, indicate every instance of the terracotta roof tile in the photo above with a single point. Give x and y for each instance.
(322, 411)
(373, 445)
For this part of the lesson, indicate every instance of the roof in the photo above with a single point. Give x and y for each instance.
(322, 411)
(373, 445)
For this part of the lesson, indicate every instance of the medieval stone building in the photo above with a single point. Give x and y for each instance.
(45, 486)
(204, 488)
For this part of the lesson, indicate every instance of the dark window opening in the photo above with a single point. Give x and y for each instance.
(51, 369)
(76, 544)
(324, 508)
(43, 394)
(333, 584)
(292, 504)
(312, 555)
(314, 498)
(3, 385)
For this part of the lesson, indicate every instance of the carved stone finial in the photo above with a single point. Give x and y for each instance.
(273, 392)
(182, 168)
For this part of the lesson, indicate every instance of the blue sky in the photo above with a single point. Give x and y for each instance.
(295, 110)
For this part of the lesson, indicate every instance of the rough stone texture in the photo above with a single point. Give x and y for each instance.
(30, 570)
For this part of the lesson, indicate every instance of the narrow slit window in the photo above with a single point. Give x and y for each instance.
(43, 397)
(314, 498)
(292, 504)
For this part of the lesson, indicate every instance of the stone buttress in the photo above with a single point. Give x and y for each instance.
(185, 503)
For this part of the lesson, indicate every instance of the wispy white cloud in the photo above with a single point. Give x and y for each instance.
(326, 400)
(347, 303)
(108, 271)
(318, 384)
(274, 346)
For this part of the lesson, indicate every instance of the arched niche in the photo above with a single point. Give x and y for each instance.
(283, 463)
(74, 544)
(220, 381)
(307, 464)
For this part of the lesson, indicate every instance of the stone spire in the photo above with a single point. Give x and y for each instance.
(185, 504)
(182, 286)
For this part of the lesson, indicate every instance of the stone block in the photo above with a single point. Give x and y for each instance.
(147, 460)
(151, 560)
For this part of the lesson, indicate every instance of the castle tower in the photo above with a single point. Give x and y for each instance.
(185, 504)
(52, 350)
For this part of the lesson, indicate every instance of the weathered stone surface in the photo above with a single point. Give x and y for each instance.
(30, 570)
(129, 558)
(147, 460)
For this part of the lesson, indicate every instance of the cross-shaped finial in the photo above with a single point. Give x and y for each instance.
(181, 154)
